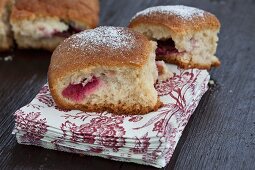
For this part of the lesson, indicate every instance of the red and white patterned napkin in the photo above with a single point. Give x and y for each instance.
(145, 139)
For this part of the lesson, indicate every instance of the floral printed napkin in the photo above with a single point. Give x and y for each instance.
(145, 139)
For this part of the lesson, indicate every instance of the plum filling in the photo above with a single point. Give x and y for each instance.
(71, 30)
(77, 92)
(166, 47)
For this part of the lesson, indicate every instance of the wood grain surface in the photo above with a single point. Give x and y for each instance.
(219, 135)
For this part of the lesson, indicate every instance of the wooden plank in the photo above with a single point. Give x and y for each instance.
(221, 133)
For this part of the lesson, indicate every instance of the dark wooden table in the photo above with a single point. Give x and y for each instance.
(219, 135)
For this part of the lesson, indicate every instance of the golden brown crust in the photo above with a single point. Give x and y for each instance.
(6, 37)
(188, 65)
(84, 12)
(3, 4)
(177, 24)
(103, 46)
(120, 109)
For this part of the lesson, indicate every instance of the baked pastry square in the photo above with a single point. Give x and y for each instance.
(105, 69)
(186, 36)
(45, 23)
(5, 28)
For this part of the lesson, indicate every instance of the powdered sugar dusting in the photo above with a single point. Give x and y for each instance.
(111, 37)
(184, 12)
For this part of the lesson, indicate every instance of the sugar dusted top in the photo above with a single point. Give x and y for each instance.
(180, 11)
(111, 37)
(100, 47)
(177, 19)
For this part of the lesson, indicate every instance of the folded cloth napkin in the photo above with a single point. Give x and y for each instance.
(145, 139)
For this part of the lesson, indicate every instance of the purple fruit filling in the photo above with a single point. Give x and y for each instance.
(166, 47)
(77, 92)
(71, 30)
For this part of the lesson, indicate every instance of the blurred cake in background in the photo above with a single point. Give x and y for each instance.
(5, 28)
(44, 24)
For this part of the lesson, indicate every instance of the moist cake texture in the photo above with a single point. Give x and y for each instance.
(44, 24)
(105, 69)
(186, 36)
